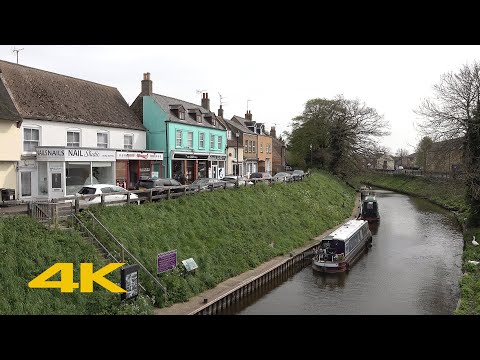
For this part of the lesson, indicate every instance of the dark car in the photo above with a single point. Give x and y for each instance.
(159, 186)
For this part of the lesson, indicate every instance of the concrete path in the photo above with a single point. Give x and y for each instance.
(198, 301)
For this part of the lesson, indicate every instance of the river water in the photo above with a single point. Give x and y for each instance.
(413, 267)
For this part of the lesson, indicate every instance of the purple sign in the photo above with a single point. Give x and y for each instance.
(166, 261)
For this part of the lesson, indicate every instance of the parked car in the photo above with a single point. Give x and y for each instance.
(261, 176)
(242, 181)
(298, 174)
(282, 177)
(203, 184)
(159, 186)
(115, 193)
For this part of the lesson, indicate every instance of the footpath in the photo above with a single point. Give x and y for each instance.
(198, 301)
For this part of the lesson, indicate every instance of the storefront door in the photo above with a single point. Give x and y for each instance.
(215, 171)
(56, 180)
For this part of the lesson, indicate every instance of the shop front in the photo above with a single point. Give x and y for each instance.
(135, 165)
(64, 171)
(198, 165)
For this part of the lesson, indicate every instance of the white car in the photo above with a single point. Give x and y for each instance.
(115, 193)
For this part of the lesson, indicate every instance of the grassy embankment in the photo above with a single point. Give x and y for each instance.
(27, 249)
(227, 232)
(450, 195)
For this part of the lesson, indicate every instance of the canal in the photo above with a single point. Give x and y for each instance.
(413, 267)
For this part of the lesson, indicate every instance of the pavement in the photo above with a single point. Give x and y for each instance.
(198, 301)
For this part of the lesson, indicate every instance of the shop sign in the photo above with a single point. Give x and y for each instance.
(128, 155)
(74, 154)
(217, 157)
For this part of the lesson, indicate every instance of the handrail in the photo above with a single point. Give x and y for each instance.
(128, 252)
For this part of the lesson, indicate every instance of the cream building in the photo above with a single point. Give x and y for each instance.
(10, 144)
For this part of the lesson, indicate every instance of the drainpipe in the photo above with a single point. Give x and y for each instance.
(167, 172)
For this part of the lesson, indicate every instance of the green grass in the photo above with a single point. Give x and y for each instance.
(470, 282)
(27, 249)
(227, 232)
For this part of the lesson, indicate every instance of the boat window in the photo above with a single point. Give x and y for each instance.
(334, 246)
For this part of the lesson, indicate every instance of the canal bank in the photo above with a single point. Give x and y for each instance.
(247, 282)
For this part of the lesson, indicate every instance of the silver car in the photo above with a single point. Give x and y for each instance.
(115, 195)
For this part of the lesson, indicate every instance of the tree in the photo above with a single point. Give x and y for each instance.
(422, 150)
(342, 132)
(455, 112)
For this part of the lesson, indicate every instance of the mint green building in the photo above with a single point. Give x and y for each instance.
(192, 138)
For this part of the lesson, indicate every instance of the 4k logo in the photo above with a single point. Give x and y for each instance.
(87, 278)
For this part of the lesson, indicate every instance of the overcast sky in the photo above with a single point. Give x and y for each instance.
(278, 79)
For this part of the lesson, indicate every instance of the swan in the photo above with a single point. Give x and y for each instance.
(474, 242)
(473, 262)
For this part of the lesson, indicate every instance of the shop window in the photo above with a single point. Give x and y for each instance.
(42, 178)
(73, 138)
(31, 139)
(77, 175)
(102, 172)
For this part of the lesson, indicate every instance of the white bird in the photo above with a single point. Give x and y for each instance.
(474, 242)
(473, 262)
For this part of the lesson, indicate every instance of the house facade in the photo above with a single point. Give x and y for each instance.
(385, 162)
(72, 134)
(445, 156)
(10, 135)
(278, 152)
(191, 137)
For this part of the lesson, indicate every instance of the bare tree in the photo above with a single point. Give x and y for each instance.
(455, 112)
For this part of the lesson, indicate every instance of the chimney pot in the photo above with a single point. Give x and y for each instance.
(147, 88)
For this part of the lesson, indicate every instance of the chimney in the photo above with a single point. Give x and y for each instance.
(205, 101)
(220, 111)
(273, 133)
(146, 85)
(248, 115)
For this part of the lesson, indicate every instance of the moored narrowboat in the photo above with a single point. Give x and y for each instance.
(338, 251)
(369, 210)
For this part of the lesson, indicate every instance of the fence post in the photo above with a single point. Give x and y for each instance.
(150, 193)
(77, 205)
(102, 199)
(128, 197)
(168, 193)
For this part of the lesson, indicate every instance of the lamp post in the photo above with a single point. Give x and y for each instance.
(237, 135)
(311, 147)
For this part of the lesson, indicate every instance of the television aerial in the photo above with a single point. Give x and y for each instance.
(15, 50)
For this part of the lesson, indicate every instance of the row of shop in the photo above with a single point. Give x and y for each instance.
(57, 172)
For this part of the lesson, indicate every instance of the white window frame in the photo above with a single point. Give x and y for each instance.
(245, 147)
(75, 131)
(98, 144)
(212, 141)
(201, 140)
(31, 127)
(219, 142)
(178, 138)
(229, 135)
(254, 146)
(261, 147)
(181, 115)
(190, 139)
(199, 118)
(125, 145)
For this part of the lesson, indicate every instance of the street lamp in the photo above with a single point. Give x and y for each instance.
(311, 146)
(237, 135)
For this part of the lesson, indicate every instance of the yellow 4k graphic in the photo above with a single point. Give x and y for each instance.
(87, 278)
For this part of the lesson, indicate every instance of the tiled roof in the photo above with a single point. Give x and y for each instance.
(239, 123)
(7, 108)
(165, 102)
(43, 95)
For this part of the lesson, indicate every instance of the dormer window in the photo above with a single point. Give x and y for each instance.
(178, 111)
(195, 115)
(210, 119)
(199, 118)
(181, 115)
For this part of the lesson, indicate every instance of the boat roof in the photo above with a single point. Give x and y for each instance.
(347, 229)
(370, 198)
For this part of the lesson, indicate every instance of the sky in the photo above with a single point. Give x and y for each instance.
(273, 81)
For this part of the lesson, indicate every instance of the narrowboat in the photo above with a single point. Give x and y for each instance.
(338, 251)
(369, 209)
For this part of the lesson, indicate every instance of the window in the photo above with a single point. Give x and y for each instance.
(181, 115)
(220, 142)
(102, 140)
(201, 140)
(261, 147)
(31, 139)
(199, 118)
(249, 145)
(212, 141)
(26, 183)
(178, 138)
(245, 149)
(128, 141)
(253, 147)
(190, 139)
(229, 135)
(73, 138)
